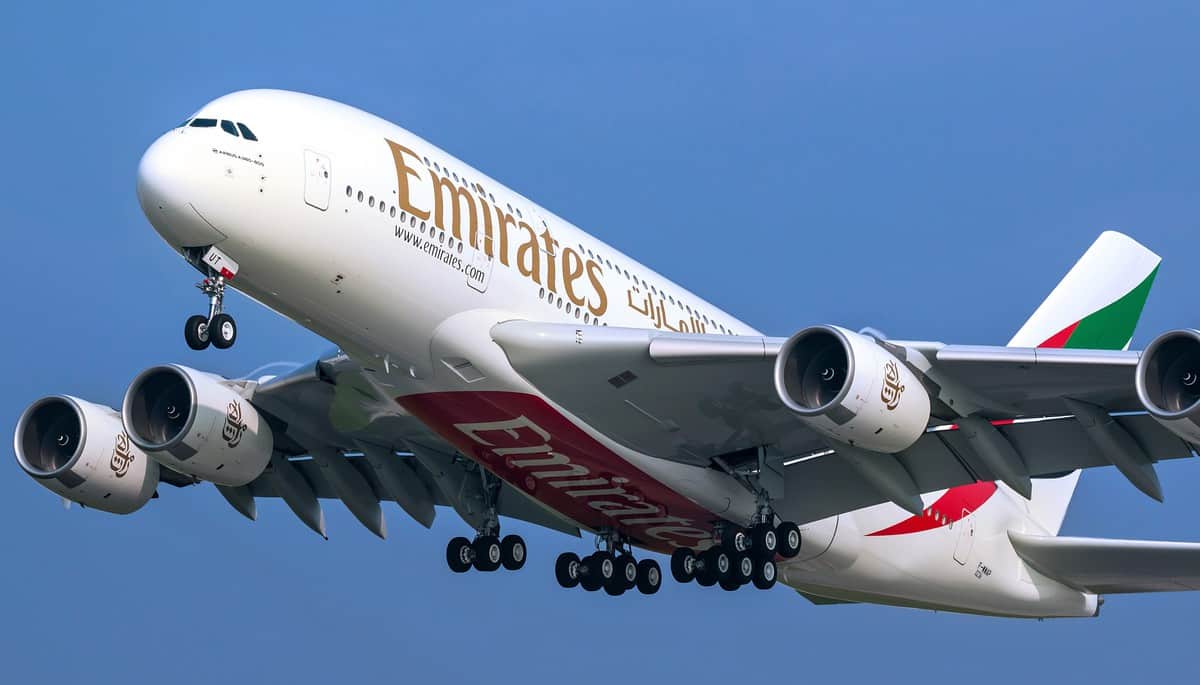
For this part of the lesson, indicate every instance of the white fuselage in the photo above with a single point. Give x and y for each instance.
(406, 258)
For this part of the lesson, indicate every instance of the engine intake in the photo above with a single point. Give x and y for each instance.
(1168, 382)
(80, 451)
(848, 387)
(196, 424)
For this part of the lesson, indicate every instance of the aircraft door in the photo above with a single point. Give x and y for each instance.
(317, 180)
(966, 537)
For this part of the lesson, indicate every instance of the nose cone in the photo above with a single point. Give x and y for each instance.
(168, 189)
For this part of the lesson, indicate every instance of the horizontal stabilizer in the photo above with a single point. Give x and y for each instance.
(1112, 566)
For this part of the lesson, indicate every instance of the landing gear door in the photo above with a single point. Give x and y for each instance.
(317, 180)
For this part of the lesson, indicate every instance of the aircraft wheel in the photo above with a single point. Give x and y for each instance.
(589, 573)
(459, 555)
(789, 539)
(649, 577)
(742, 570)
(627, 570)
(729, 584)
(736, 540)
(683, 565)
(512, 552)
(195, 332)
(566, 569)
(766, 542)
(487, 553)
(765, 574)
(222, 330)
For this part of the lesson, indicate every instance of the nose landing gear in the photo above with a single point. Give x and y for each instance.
(218, 328)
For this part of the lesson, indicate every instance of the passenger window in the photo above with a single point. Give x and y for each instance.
(203, 123)
(349, 191)
(371, 201)
(392, 212)
(228, 127)
(246, 132)
(360, 196)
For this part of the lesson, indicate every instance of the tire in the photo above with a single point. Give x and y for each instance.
(627, 571)
(789, 539)
(649, 577)
(722, 563)
(459, 555)
(765, 574)
(729, 584)
(589, 574)
(706, 578)
(487, 553)
(766, 542)
(742, 570)
(195, 332)
(566, 569)
(512, 552)
(683, 565)
(222, 331)
(736, 541)
(600, 570)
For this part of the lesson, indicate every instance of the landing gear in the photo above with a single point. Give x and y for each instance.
(612, 568)
(739, 556)
(218, 328)
(486, 553)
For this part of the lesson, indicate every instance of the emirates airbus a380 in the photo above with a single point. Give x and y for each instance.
(495, 359)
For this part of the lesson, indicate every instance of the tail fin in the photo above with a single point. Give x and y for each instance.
(1095, 306)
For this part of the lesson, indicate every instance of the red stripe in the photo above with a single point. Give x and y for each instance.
(537, 450)
(954, 505)
(1060, 338)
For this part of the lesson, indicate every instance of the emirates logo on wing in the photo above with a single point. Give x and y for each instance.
(122, 457)
(233, 429)
(892, 389)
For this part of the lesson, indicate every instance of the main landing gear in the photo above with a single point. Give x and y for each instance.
(612, 567)
(218, 328)
(488, 552)
(742, 556)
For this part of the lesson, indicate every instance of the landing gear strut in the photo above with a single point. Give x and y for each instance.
(611, 567)
(488, 551)
(218, 328)
(740, 556)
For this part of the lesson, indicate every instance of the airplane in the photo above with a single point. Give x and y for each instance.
(494, 359)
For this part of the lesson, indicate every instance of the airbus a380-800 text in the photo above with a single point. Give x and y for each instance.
(494, 359)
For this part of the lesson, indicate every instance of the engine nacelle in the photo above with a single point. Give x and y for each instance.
(195, 424)
(1168, 382)
(80, 451)
(847, 386)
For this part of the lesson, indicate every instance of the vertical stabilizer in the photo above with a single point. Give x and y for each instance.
(1095, 306)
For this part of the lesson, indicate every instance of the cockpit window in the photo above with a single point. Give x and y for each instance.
(246, 133)
(228, 127)
(203, 123)
(184, 124)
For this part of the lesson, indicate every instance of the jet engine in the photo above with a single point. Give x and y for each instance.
(196, 424)
(80, 451)
(1168, 382)
(848, 387)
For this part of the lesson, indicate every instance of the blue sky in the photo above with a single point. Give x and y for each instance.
(931, 172)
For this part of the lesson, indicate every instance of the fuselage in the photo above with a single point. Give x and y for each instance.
(406, 257)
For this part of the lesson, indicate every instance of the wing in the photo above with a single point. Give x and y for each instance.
(1112, 566)
(339, 436)
(700, 398)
